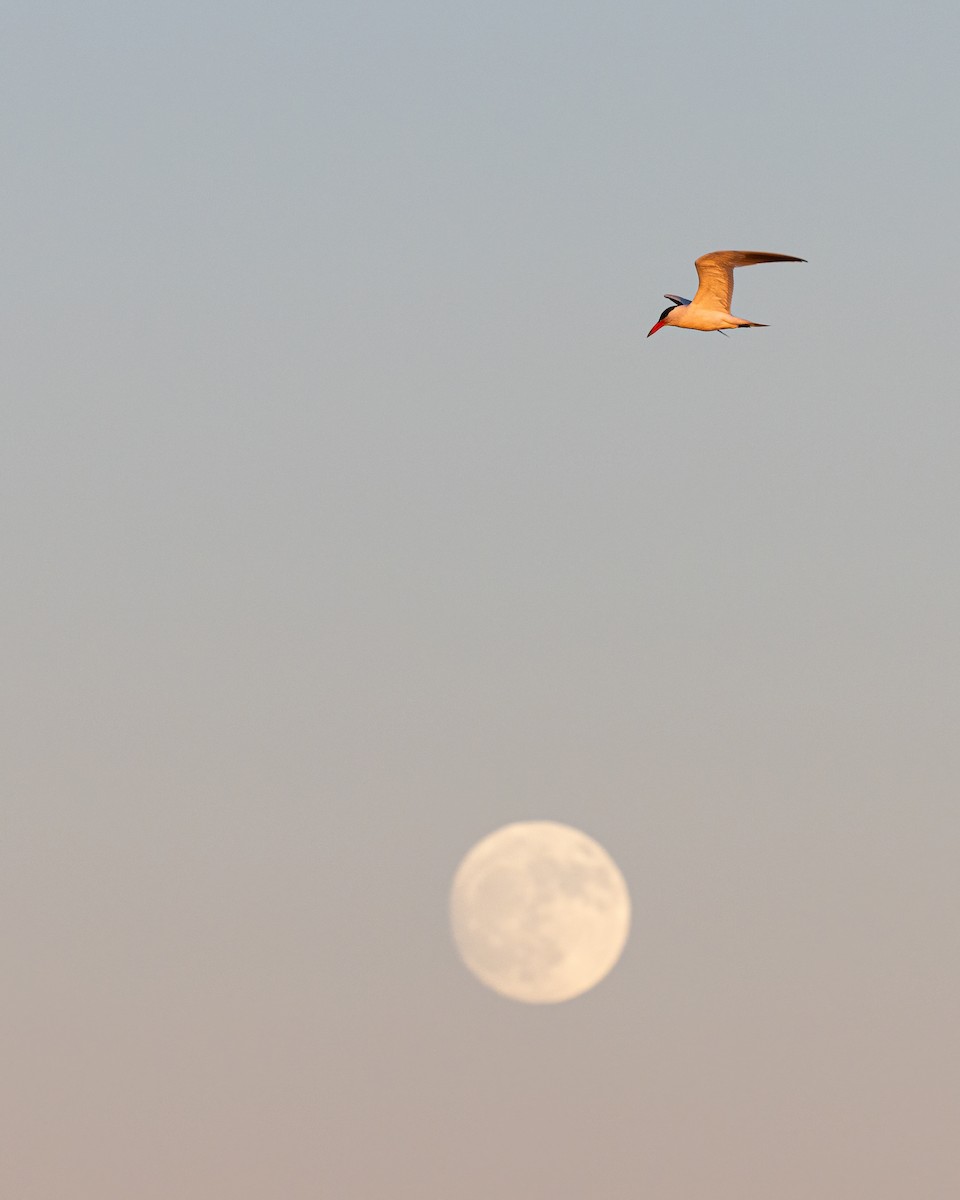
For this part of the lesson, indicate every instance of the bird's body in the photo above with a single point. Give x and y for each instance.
(710, 308)
(693, 316)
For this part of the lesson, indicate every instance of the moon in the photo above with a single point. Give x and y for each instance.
(539, 912)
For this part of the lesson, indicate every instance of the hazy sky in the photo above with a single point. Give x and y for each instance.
(347, 515)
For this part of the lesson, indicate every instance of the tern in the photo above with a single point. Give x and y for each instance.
(710, 307)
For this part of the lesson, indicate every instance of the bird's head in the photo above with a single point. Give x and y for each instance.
(664, 319)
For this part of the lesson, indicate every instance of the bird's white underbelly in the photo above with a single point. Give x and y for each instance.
(691, 317)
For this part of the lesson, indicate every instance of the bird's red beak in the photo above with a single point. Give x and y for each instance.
(659, 325)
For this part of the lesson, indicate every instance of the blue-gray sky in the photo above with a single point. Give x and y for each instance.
(347, 514)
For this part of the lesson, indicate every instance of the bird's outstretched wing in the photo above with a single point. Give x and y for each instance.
(715, 272)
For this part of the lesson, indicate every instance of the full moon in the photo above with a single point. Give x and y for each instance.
(539, 911)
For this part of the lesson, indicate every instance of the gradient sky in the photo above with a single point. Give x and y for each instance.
(348, 515)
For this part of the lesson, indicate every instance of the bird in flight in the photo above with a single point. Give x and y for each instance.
(710, 307)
